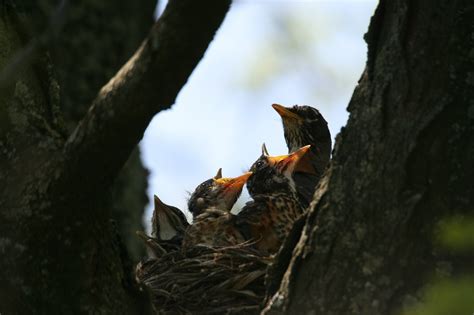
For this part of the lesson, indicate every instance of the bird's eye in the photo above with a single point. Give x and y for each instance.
(259, 164)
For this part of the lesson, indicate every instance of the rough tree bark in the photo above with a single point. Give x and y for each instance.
(96, 39)
(403, 162)
(109, 31)
(60, 252)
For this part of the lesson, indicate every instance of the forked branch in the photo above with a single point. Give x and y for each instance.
(148, 83)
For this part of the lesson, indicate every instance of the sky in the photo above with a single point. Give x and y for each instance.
(274, 51)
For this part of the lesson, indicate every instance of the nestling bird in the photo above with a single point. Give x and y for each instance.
(217, 192)
(270, 216)
(210, 204)
(305, 125)
(168, 226)
(167, 222)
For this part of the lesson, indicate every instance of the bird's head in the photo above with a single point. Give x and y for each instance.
(167, 221)
(218, 192)
(274, 173)
(303, 125)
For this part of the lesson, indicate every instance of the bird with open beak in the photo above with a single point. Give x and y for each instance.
(269, 217)
(218, 192)
(210, 204)
(168, 225)
(304, 125)
(167, 222)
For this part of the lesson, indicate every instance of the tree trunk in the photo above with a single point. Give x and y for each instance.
(109, 31)
(60, 251)
(403, 162)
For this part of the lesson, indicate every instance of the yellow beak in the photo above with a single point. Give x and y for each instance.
(291, 162)
(285, 113)
(235, 184)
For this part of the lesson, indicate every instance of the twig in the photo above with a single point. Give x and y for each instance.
(206, 279)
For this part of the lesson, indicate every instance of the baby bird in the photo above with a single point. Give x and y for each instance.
(168, 225)
(268, 219)
(217, 192)
(210, 204)
(167, 222)
(305, 125)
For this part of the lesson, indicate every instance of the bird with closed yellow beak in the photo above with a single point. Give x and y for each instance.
(304, 125)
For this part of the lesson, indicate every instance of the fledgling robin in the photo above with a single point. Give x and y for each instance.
(269, 217)
(217, 192)
(167, 222)
(305, 125)
(210, 204)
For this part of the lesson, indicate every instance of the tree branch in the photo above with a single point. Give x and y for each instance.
(148, 83)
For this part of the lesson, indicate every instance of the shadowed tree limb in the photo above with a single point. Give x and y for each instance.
(148, 83)
(21, 59)
(102, 27)
(63, 255)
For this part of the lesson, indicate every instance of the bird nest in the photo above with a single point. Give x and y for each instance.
(204, 279)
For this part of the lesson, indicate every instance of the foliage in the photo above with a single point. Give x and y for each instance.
(453, 295)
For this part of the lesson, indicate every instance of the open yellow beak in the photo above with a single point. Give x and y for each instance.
(293, 162)
(285, 113)
(234, 184)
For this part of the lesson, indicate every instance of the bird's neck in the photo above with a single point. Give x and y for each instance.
(320, 152)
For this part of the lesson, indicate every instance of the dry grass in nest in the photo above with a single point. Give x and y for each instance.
(203, 279)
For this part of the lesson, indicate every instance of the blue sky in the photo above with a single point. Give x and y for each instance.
(286, 52)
